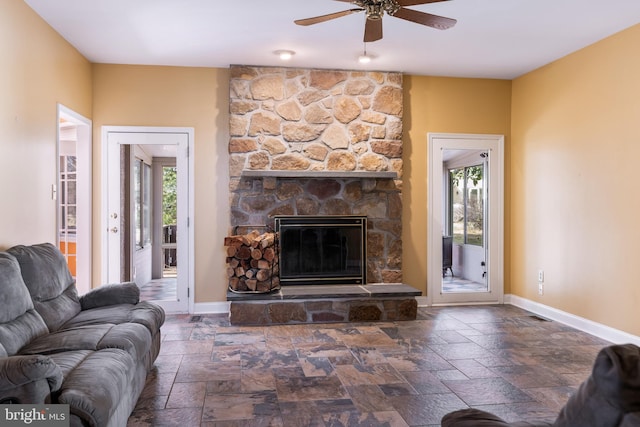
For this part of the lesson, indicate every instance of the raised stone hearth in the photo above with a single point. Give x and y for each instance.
(325, 304)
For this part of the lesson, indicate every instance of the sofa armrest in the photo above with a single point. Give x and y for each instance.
(631, 419)
(121, 293)
(472, 417)
(28, 379)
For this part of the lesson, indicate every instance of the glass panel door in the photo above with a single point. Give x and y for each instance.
(465, 202)
(464, 255)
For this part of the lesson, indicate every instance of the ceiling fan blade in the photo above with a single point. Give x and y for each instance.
(323, 18)
(413, 2)
(373, 30)
(435, 21)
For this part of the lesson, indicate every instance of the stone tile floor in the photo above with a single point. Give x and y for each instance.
(159, 289)
(497, 358)
(456, 284)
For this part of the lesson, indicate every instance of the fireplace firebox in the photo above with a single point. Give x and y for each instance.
(328, 250)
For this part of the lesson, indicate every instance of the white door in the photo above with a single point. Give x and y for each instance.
(180, 139)
(481, 283)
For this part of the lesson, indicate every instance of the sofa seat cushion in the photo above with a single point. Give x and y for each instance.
(67, 361)
(93, 389)
(83, 338)
(46, 274)
(132, 338)
(150, 315)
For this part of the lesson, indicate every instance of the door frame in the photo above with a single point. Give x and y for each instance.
(84, 183)
(185, 290)
(494, 144)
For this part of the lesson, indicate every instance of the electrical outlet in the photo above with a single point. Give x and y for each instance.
(540, 288)
(540, 276)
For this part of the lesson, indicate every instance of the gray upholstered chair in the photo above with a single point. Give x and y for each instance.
(610, 397)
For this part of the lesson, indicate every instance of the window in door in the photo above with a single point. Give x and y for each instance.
(467, 205)
(67, 210)
(142, 203)
(169, 220)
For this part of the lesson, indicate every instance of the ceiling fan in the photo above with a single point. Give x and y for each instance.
(375, 9)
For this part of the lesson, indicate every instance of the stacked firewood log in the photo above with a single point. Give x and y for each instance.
(252, 263)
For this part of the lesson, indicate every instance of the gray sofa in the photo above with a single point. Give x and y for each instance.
(91, 352)
(610, 397)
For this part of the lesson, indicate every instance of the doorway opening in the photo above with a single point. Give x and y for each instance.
(466, 204)
(148, 203)
(73, 194)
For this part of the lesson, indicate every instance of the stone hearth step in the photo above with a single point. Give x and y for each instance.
(325, 304)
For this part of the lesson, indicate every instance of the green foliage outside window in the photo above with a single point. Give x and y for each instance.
(169, 196)
(467, 205)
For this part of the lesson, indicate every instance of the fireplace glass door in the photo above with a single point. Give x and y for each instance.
(322, 249)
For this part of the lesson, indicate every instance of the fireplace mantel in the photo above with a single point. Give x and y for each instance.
(296, 174)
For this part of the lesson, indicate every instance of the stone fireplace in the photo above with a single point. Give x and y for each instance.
(320, 142)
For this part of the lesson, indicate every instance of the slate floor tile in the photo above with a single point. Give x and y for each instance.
(419, 410)
(485, 391)
(498, 358)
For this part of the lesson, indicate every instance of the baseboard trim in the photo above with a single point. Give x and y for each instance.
(589, 326)
(422, 301)
(211, 307)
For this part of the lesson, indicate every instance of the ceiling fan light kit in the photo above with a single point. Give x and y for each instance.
(375, 9)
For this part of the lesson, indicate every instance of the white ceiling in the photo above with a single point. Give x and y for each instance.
(493, 38)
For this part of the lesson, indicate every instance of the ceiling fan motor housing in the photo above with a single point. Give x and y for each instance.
(375, 9)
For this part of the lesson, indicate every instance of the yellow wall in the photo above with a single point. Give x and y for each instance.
(451, 105)
(127, 95)
(38, 70)
(574, 182)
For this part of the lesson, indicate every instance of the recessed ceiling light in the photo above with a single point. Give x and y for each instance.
(285, 55)
(364, 59)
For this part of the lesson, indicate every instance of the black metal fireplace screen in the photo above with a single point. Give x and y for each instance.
(327, 250)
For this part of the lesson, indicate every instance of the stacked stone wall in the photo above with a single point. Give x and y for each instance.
(320, 120)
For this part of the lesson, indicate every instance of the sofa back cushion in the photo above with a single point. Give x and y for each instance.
(19, 322)
(49, 281)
